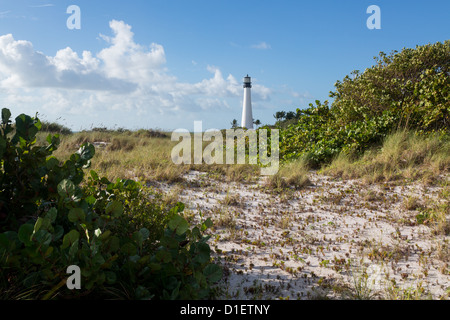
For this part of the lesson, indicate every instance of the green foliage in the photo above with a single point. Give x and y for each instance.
(29, 173)
(125, 241)
(317, 138)
(55, 128)
(406, 90)
(413, 85)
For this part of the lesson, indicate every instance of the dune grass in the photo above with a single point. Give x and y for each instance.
(293, 174)
(140, 155)
(144, 155)
(402, 156)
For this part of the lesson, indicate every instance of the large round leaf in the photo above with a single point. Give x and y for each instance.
(213, 273)
(77, 214)
(70, 238)
(66, 188)
(25, 232)
(114, 208)
(178, 224)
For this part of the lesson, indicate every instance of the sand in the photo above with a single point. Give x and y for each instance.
(333, 239)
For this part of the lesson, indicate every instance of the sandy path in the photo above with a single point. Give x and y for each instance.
(333, 239)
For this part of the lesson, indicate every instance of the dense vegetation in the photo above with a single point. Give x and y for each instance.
(409, 90)
(126, 241)
(55, 128)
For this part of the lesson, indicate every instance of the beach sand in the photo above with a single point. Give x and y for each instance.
(333, 239)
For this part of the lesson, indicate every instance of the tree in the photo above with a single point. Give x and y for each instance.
(290, 115)
(279, 115)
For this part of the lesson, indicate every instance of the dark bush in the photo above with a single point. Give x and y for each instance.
(55, 128)
(125, 241)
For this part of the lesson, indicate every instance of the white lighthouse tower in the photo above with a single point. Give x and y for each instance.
(247, 117)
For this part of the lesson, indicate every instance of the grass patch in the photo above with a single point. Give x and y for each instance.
(403, 155)
(144, 155)
(232, 199)
(292, 174)
(412, 203)
(141, 155)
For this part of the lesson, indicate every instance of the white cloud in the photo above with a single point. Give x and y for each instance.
(124, 77)
(216, 86)
(126, 60)
(22, 66)
(261, 46)
(261, 92)
(66, 59)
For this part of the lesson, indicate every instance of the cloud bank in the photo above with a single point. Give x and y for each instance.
(124, 75)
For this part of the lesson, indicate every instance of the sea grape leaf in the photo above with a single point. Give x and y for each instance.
(213, 273)
(70, 238)
(178, 224)
(114, 208)
(77, 214)
(25, 232)
(66, 188)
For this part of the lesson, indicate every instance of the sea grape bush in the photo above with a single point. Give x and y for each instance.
(409, 90)
(317, 137)
(126, 241)
(414, 85)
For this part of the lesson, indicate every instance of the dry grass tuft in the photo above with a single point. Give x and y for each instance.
(232, 199)
(292, 174)
(403, 155)
(412, 203)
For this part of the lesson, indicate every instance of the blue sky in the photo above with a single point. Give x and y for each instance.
(165, 64)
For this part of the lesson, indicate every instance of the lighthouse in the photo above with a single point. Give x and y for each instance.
(247, 117)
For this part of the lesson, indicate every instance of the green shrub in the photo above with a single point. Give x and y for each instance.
(412, 85)
(409, 90)
(54, 127)
(126, 243)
